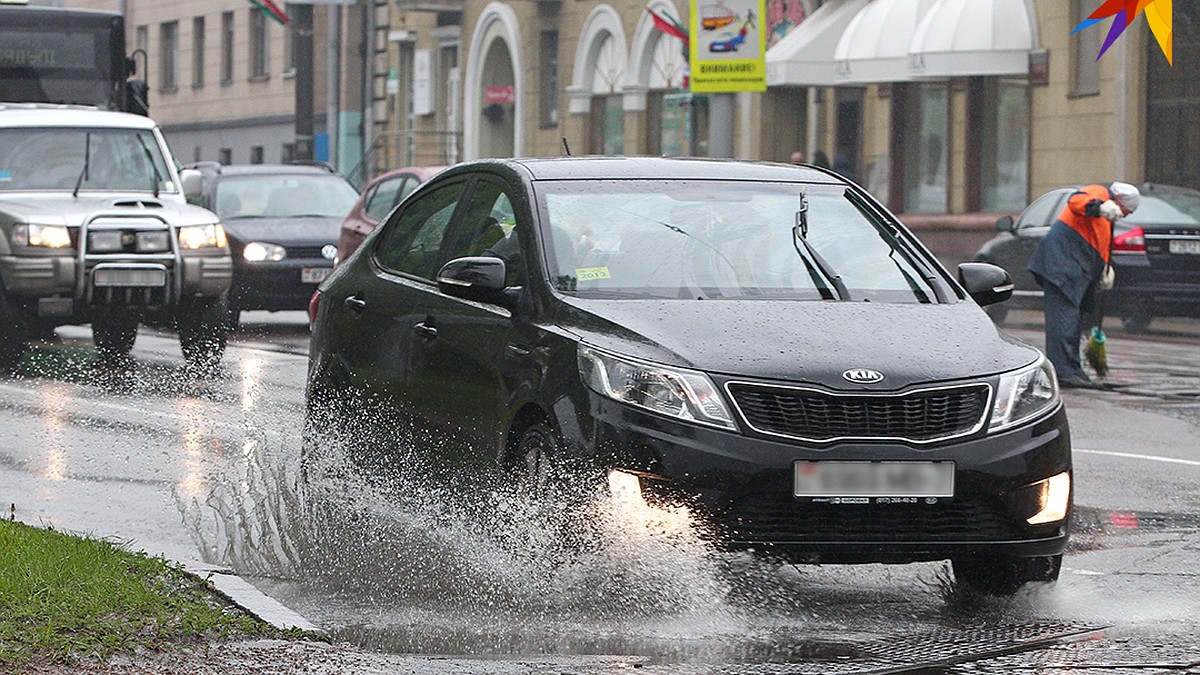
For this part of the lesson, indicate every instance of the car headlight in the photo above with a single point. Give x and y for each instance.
(202, 236)
(47, 236)
(1024, 394)
(674, 392)
(258, 251)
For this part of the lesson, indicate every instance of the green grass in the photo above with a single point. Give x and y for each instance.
(68, 599)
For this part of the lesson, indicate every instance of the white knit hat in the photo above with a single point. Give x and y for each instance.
(1126, 195)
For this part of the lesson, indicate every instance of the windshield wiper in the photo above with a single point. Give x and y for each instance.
(800, 241)
(156, 177)
(87, 154)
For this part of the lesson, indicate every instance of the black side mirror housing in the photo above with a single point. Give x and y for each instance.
(986, 283)
(479, 278)
(1005, 224)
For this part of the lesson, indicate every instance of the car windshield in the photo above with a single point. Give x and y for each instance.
(1167, 208)
(284, 196)
(721, 239)
(88, 159)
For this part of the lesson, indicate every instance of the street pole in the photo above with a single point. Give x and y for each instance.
(302, 46)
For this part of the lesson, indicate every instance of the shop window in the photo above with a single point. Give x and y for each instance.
(1004, 169)
(608, 125)
(926, 148)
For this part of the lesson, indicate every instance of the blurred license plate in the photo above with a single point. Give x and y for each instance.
(133, 278)
(1184, 246)
(314, 275)
(874, 479)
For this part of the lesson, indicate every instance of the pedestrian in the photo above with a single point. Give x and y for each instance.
(1071, 263)
(798, 157)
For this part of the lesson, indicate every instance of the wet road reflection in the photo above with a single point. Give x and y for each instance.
(419, 562)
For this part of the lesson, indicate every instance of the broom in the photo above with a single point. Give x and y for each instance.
(1096, 352)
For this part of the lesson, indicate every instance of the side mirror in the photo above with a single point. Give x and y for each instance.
(477, 278)
(1005, 224)
(193, 184)
(986, 283)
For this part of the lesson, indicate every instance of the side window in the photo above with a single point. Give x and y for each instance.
(1042, 212)
(383, 198)
(411, 242)
(489, 228)
(410, 184)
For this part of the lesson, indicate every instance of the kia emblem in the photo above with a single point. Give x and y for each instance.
(863, 376)
(329, 251)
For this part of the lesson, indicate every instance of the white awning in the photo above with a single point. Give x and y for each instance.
(959, 38)
(804, 57)
(875, 46)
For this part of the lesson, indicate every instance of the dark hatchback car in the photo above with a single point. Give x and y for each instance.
(378, 198)
(282, 221)
(1155, 256)
(762, 341)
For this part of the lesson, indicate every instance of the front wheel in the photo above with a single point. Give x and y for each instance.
(534, 458)
(1003, 575)
(114, 334)
(203, 324)
(13, 333)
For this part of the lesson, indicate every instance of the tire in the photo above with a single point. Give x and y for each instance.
(998, 312)
(1001, 575)
(1138, 322)
(203, 327)
(534, 459)
(13, 334)
(114, 334)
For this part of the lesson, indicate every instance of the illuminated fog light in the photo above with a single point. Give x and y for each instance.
(624, 486)
(1053, 497)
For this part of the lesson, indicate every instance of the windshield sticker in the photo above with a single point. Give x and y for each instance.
(5, 176)
(592, 273)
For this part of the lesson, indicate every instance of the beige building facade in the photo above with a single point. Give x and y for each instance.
(952, 111)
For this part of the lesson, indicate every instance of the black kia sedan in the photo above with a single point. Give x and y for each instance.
(1155, 255)
(283, 223)
(764, 343)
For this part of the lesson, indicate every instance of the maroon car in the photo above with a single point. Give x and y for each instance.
(382, 194)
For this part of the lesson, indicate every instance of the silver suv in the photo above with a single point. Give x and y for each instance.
(94, 228)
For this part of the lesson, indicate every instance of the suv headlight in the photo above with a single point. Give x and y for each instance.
(202, 236)
(47, 236)
(674, 392)
(1024, 394)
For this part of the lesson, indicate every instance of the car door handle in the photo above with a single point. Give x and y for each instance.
(355, 304)
(425, 331)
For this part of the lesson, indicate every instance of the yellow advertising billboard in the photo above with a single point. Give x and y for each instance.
(727, 46)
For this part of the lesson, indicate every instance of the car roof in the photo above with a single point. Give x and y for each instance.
(266, 169)
(61, 115)
(614, 167)
(425, 172)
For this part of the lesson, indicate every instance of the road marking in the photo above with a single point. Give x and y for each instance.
(1130, 455)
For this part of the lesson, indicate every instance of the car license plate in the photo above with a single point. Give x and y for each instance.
(1185, 246)
(874, 479)
(107, 278)
(314, 275)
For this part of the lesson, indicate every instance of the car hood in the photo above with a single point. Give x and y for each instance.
(813, 342)
(285, 231)
(60, 208)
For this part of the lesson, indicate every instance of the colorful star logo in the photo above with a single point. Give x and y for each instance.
(1158, 15)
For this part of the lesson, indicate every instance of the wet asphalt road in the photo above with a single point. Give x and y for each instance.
(204, 470)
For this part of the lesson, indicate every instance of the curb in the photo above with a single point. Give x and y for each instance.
(241, 593)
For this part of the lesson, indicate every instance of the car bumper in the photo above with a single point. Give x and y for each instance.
(1143, 288)
(741, 487)
(277, 286)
